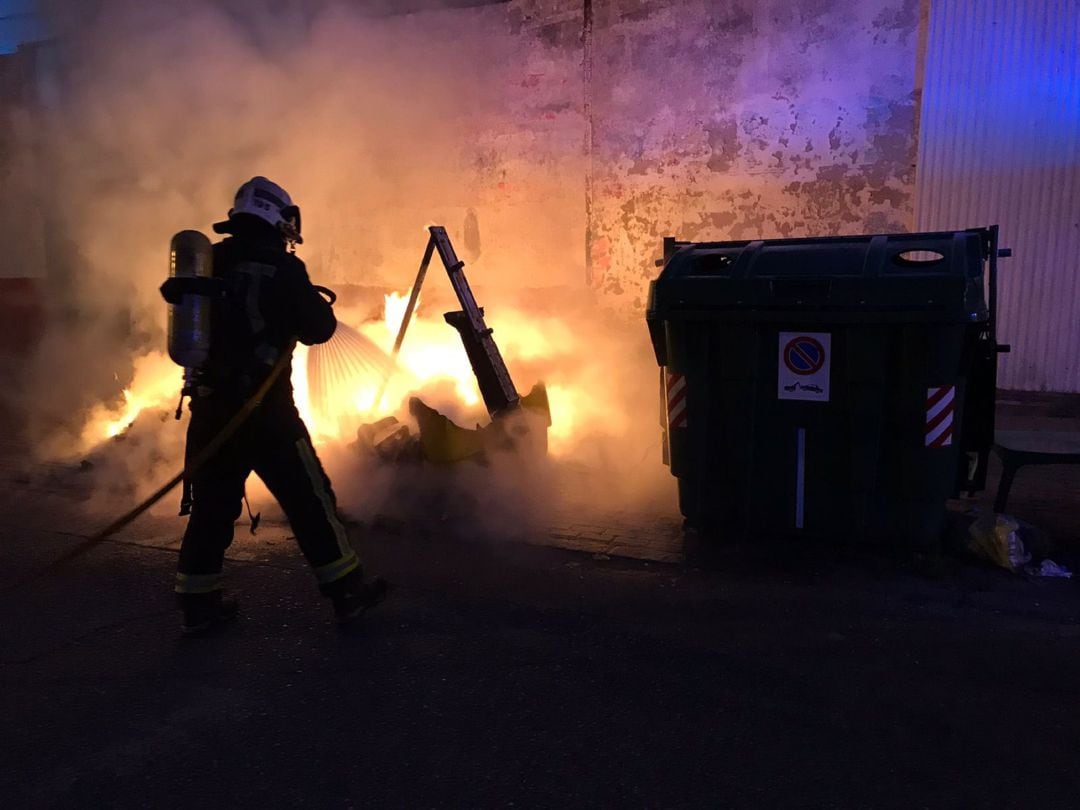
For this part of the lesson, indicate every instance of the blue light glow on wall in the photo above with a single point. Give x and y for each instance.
(19, 24)
(1021, 82)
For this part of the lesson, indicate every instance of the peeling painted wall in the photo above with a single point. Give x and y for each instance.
(615, 123)
(625, 121)
(497, 158)
(740, 120)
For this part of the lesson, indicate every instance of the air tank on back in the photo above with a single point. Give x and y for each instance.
(190, 255)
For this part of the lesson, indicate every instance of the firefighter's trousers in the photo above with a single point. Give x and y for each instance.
(274, 444)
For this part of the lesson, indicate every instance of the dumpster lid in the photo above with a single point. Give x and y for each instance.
(910, 276)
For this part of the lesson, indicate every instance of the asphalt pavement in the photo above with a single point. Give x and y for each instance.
(512, 674)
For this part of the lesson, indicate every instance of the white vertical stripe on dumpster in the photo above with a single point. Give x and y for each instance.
(800, 476)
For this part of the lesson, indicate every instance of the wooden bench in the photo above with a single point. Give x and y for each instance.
(1017, 448)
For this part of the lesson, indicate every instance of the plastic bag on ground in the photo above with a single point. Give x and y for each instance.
(1049, 568)
(996, 538)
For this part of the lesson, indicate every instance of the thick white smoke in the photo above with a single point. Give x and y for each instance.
(377, 123)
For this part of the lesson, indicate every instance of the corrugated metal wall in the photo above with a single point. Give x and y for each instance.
(1000, 143)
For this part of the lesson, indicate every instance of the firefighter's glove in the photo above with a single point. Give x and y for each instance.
(174, 289)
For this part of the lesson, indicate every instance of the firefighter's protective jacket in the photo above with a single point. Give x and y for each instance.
(268, 302)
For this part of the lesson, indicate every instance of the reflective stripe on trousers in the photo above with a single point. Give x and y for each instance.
(348, 561)
(197, 583)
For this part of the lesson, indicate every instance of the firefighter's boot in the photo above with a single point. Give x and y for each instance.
(205, 611)
(351, 596)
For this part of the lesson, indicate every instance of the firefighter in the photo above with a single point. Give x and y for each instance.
(263, 301)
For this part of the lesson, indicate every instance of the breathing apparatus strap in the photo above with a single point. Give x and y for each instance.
(190, 466)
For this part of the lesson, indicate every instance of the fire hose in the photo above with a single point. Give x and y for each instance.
(196, 462)
(197, 247)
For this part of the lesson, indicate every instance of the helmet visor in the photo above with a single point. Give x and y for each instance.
(290, 226)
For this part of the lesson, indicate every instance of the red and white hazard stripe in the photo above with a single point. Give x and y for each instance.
(676, 400)
(940, 410)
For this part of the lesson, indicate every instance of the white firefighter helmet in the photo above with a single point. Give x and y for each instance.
(269, 202)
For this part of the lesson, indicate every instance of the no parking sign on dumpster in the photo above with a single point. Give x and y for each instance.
(803, 368)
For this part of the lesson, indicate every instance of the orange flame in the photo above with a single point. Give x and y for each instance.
(431, 352)
(156, 383)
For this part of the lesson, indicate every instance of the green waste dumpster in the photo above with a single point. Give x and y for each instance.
(840, 387)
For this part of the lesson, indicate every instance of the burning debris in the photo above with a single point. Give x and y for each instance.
(516, 425)
(519, 424)
(387, 440)
(440, 440)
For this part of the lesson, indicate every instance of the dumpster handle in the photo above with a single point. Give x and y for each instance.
(993, 239)
(875, 259)
(995, 254)
(747, 257)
